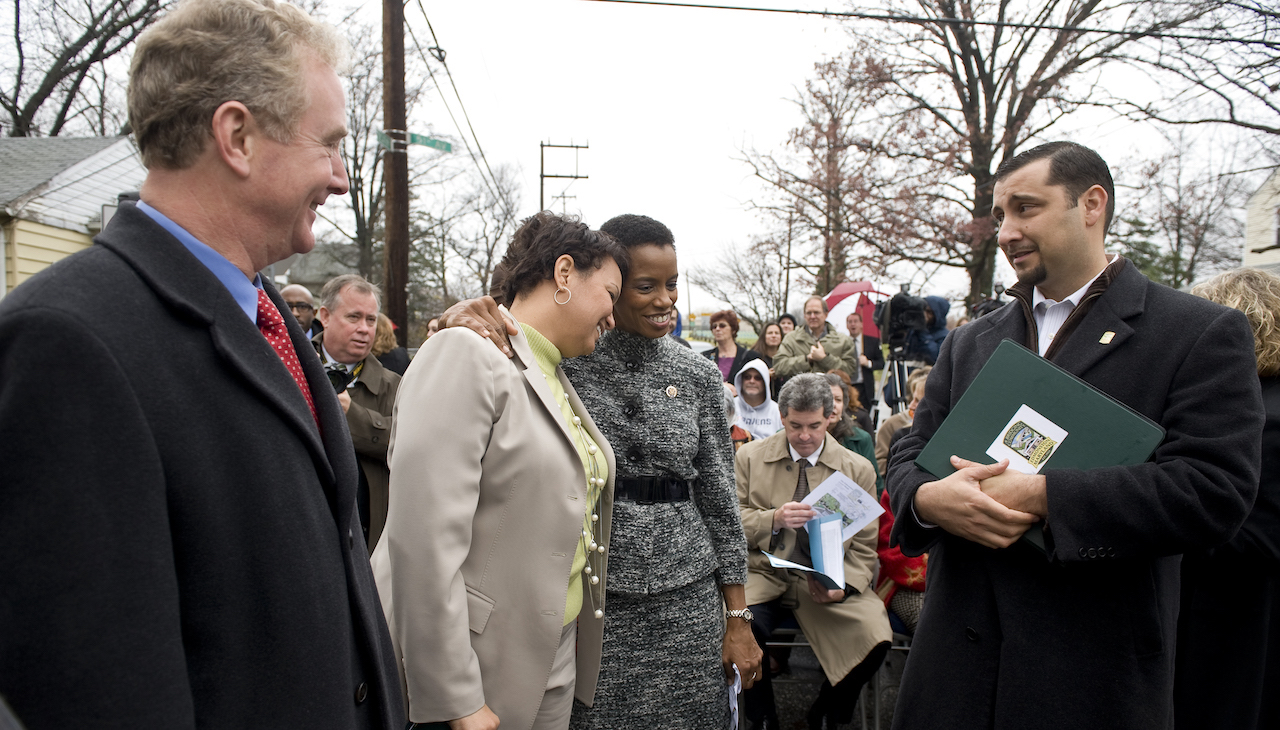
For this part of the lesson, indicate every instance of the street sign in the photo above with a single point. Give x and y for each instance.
(384, 142)
(426, 141)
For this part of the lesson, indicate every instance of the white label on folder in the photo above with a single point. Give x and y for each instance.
(1027, 441)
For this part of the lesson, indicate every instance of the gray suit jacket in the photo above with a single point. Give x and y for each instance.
(487, 503)
(1009, 639)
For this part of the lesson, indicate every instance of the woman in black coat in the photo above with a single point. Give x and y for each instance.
(1229, 626)
(728, 354)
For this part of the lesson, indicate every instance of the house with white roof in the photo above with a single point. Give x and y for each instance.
(54, 194)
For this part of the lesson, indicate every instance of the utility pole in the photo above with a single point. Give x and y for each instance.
(542, 167)
(564, 207)
(396, 168)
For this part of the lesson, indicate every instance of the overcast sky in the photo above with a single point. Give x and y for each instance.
(667, 99)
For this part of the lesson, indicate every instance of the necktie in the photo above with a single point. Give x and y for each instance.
(273, 328)
(802, 482)
(801, 555)
(857, 359)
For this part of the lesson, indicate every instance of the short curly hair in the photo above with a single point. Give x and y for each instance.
(633, 230)
(541, 240)
(1257, 294)
(205, 53)
(727, 315)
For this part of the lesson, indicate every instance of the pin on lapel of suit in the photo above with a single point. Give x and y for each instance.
(1106, 338)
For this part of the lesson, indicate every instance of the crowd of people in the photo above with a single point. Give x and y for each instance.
(228, 506)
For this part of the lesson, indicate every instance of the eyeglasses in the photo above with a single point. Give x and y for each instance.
(752, 376)
(718, 325)
(300, 305)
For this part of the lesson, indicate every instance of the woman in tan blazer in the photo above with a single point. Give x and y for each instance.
(501, 492)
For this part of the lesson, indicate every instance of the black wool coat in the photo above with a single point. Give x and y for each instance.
(181, 546)
(1085, 638)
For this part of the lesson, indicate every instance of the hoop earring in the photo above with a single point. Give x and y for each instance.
(556, 297)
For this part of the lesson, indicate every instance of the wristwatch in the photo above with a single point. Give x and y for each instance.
(742, 613)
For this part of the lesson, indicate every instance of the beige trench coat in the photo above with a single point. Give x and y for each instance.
(842, 634)
(486, 508)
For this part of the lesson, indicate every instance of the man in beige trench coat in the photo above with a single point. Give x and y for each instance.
(849, 629)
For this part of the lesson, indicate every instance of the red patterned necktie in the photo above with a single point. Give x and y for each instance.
(273, 328)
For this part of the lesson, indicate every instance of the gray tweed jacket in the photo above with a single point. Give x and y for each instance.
(661, 407)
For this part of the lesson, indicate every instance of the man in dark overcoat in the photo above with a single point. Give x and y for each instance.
(177, 483)
(349, 309)
(1082, 637)
(869, 358)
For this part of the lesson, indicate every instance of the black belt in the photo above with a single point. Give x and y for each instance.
(647, 490)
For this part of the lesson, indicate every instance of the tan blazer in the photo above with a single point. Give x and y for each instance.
(486, 509)
(842, 634)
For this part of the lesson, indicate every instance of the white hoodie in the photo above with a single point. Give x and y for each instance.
(761, 421)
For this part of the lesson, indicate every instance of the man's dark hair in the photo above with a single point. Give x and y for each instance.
(633, 230)
(539, 242)
(1073, 166)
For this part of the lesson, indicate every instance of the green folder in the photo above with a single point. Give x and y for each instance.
(1100, 431)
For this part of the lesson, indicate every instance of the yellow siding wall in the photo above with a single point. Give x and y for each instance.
(33, 246)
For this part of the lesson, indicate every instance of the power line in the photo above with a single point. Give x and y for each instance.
(444, 100)
(918, 20)
(496, 189)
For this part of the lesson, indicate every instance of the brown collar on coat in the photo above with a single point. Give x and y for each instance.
(776, 448)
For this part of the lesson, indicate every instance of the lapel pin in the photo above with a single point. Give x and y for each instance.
(1106, 338)
(671, 391)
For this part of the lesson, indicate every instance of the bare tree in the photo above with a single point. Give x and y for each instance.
(866, 187)
(59, 47)
(1184, 223)
(486, 222)
(1235, 83)
(752, 282)
(961, 86)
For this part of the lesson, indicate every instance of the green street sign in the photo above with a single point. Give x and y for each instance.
(426, 141)
(384, 141)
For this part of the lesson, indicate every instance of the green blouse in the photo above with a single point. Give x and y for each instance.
(593, 461)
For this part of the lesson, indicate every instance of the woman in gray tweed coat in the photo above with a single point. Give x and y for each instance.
(677, 557)
(677, 544)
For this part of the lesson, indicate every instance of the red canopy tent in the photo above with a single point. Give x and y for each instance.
(854, 296)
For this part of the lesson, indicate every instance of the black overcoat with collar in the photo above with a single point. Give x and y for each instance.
(1085, 638)
(180, 542)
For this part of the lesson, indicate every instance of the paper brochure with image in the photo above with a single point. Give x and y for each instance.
(840, 495)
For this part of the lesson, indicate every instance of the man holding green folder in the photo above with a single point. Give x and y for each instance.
(1084, 637)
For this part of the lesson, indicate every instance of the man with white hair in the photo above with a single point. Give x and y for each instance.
(177, 487)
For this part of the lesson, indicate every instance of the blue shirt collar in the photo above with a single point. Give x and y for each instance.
(245, 292)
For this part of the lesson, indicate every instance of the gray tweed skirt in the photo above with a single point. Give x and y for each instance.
(661, 663)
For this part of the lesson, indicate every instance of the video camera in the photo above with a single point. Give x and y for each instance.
(898, 316)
